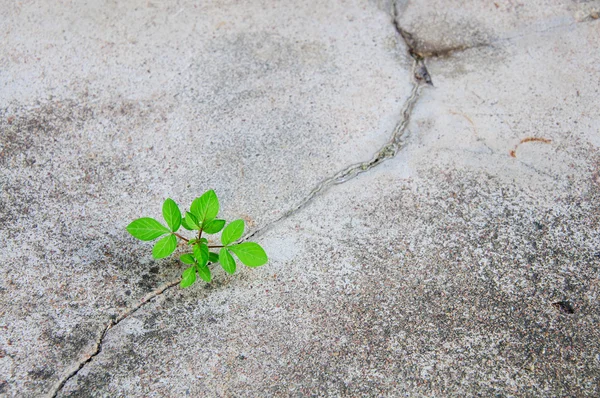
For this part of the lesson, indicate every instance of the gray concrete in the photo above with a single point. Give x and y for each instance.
(436, 272)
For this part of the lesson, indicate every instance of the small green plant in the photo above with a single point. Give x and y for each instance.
(201, 218)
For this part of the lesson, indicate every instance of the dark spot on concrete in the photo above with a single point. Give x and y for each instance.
(94, 381)
(422, 74)
(148, 282)
(564, 307)
(70, 343)
(3, 386)
(41, 373)
(154, 270)
(150, 322)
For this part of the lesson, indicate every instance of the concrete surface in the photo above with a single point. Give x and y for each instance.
(467, 265)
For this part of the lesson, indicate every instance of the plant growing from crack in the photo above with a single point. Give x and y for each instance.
(200, 218)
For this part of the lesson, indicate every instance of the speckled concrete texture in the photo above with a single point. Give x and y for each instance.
(467, 265)
(441, 27)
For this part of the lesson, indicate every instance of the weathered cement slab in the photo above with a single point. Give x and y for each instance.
(107, 108)
(466, 266)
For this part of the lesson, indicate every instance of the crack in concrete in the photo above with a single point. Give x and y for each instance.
(387, 151)
(421, 73)
(444, 52)
(100, 340)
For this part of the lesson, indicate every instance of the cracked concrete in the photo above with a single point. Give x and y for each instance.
(114, 321)
(448, 269)
(388, 151)
(156, 103)
(439, 28)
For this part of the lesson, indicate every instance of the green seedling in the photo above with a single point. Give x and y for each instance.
(200, 218)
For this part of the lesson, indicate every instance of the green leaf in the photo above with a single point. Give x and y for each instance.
(190, 222)
(214, 226)
(171, 214)
(147, 229)
(206, 207)
(250, 253)
(204, 272)
(184, 224)
(187, 259)
(164, 247)
(227, 262)
(188, 277)
(213, 257)
(232, 232)
(201, 253)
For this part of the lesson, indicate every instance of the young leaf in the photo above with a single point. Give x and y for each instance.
(249, 253)
(190, 222)
(204, 272)
(187, 259)
(201, 253)
(147, 229)
(214, 226)
(185, 225)
(232, 232)
(188, 277)
(171, 214)
(206, 207)
(213, 257)
(227, 262)
(164, 247)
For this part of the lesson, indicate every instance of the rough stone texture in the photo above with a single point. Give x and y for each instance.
(469, 265)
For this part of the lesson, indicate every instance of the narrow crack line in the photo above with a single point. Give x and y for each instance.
(100, 340)
(97, 348)
(146, 299)
(407, 37)
(420, 72)
(421, 55)
(389, 150)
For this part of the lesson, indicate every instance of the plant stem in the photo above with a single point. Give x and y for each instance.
(214, 247)
(181, 237)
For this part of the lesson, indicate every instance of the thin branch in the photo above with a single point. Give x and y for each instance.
(181, 237)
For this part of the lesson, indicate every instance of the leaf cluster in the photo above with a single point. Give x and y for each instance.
(201, 219)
